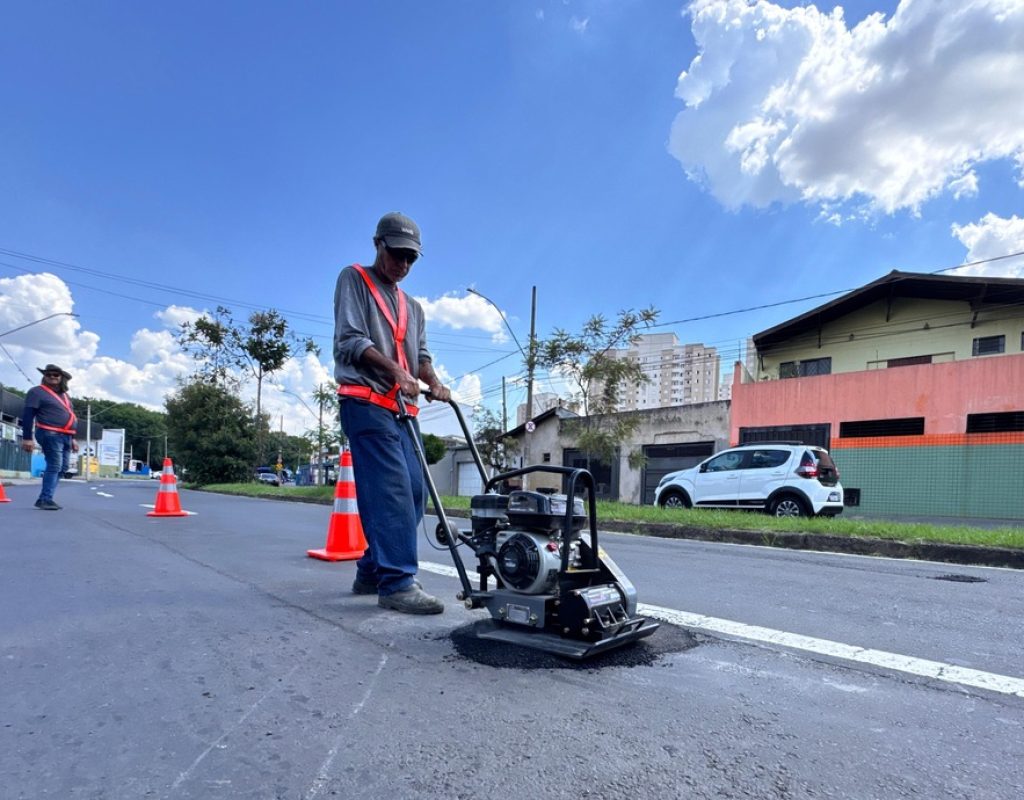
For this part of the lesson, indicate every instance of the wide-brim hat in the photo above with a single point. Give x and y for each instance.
(54, 368)
(398, 231)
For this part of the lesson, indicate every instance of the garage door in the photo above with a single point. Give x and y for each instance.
(665, 458)
(469, 480)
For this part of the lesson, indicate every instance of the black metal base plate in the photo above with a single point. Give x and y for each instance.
(575, 649)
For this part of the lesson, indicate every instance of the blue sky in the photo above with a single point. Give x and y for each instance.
(700, 158)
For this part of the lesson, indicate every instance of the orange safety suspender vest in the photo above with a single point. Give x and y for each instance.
(64, 400)
(389, 400)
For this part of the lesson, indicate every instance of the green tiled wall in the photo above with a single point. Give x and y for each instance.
(943, 481)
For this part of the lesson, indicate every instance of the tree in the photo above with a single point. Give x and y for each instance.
(260, 349)
(599, 378)
(211, 433)
(495, 450)
(434, 448)
(142, 427)
(292, 449)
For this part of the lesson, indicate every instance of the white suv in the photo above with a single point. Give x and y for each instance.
(784, 479)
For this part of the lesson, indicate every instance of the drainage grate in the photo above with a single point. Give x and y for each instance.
(960, 578)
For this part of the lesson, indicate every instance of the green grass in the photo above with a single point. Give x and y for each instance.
(700, 518)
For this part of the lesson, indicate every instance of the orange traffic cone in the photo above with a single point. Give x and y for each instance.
(167, 502)
(345, 540)
(3, 496)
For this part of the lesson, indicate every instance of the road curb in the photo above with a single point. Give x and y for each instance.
(966, 554)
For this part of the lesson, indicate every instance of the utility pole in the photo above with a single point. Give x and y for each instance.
(88, 441)
(530, 360)
(320, 446)
(504, 407)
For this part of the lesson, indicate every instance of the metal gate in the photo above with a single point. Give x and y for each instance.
(819, 434)
(662, 459)
(606, 476)
(468, 480)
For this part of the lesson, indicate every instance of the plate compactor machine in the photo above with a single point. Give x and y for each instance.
(555, 589)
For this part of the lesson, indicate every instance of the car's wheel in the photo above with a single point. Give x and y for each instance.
(674, 499)
(788, 505)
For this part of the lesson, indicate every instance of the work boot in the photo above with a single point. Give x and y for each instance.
(366, 587)
(363, 587)
(47, 505)
(411, 601)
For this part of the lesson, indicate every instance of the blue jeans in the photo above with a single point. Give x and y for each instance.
(57, 452)
(390, 492)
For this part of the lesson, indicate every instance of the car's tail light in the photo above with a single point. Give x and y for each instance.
(808, 467)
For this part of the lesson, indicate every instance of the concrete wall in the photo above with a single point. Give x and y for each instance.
(698, 422)
(944, 394)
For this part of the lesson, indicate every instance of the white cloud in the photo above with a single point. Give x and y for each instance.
(468, 311)
(147, 376)
(173, 316)
(579, 24)
(24, 300)
(991, 237)
(786, 105)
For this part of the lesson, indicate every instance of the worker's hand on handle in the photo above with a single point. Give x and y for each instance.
(408, 385)
(438, 391)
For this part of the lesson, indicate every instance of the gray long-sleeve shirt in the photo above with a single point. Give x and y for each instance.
(359, 323)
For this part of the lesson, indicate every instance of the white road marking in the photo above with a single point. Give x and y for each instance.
(216, 744)
(324, 773)
(936, 670)
(103, 494)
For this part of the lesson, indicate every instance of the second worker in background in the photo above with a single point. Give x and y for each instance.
(380, 349)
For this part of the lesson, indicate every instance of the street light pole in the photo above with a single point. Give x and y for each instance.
(37, 321)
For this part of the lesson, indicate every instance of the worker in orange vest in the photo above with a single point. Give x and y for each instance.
(48, 407)
(380, 349)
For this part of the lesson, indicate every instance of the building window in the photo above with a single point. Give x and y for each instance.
(988, 345)
(905, 426)
(546, 458)
(908, 361)
(805, 369)
(996, 422)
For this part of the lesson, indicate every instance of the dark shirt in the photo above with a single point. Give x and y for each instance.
(41, 406)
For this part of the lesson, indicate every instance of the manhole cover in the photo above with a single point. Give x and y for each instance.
(666, 640)
(959, 578)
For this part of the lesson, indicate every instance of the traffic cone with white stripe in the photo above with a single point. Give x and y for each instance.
(345, 540)
(168, 504)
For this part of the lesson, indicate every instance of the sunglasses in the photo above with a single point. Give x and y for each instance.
(403, 254)
(52, 375)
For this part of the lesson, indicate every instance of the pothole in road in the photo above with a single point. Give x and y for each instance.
(667, 640)
(960, 578)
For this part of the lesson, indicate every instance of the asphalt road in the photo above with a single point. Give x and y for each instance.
(208, 657)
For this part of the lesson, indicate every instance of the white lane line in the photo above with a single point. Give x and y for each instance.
(103, 494)
(325, 769)
(937, 670)
(183, 776)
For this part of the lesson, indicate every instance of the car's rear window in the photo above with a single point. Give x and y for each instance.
(823, 459)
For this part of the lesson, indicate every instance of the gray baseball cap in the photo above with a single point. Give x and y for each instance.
(397, 230)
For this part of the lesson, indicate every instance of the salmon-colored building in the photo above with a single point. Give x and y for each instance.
(915, 382)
